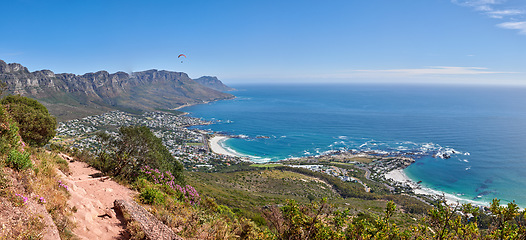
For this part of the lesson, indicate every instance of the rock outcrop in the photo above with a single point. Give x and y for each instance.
(151, 226)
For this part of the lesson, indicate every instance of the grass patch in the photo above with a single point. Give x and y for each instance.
(18, 160)
(266, 165)
(45, 184)
(194, 144)
(250, 190)
(344, 164)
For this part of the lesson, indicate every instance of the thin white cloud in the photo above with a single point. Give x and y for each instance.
(489, 8)
(504, 13)
(425, 75)
(479, 5)
(439, 70)
(521, 26)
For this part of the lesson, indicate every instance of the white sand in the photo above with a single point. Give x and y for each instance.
(399, 175)
(215, 146)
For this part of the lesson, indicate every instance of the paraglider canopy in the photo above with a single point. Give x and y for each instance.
(181, 55)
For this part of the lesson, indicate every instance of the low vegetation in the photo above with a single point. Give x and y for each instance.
(242, 201)
(29, 188)
(36, 125)
(133, 148)
(23, 189)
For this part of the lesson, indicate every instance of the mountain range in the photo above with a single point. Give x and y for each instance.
(70, 96)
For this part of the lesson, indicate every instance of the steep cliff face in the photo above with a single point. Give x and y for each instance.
(213, 83)
(70, 96)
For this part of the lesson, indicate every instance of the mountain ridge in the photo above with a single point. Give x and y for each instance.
(70, 96)
(213, 83)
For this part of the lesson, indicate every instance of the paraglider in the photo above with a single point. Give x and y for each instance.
(181, 55)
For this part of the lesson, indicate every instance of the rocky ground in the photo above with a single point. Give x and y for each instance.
(93, 195)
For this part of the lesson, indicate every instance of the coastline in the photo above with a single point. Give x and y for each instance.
(188, 105)
(340, 138)
(396, 177)
(215, 146)
(399, 177)
(204, 102)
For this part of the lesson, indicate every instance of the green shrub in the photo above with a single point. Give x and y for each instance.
(226, 211)
(18, 160)
(151, 195)
(134, 148)
(9, 137)
(36, 125)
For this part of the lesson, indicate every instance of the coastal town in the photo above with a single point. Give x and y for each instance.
(201, 150)
(188, 145)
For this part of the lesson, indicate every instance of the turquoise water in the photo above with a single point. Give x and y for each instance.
(483, 127)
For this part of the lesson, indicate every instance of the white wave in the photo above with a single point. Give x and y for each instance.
(468, 168)
(450, 198)
(467, 153)
(328, 152)
(445, 152)
(260, 159)
(428, 146)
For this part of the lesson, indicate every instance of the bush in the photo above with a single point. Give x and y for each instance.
(18, 160)
(9, 137)
(132, 149)
(151, 195)
(36, 125)
(168, 183)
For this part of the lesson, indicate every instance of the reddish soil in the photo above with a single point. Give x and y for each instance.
(92, 195)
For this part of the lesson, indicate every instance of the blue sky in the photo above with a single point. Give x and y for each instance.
(384, 41)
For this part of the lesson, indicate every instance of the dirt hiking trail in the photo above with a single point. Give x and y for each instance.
(93, 194)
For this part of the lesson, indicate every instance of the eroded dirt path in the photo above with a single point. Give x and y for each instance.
(93, 195)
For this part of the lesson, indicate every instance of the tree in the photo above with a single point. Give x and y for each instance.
(505, 222)
(132, 148)
(35, 123)
(9, 138)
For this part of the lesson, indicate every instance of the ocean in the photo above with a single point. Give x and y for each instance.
(482, 128)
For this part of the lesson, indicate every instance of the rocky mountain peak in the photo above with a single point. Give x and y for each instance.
(12, 67)
(213, 83)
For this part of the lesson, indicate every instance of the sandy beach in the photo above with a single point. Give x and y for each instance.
(398, 175)
(215, 146)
